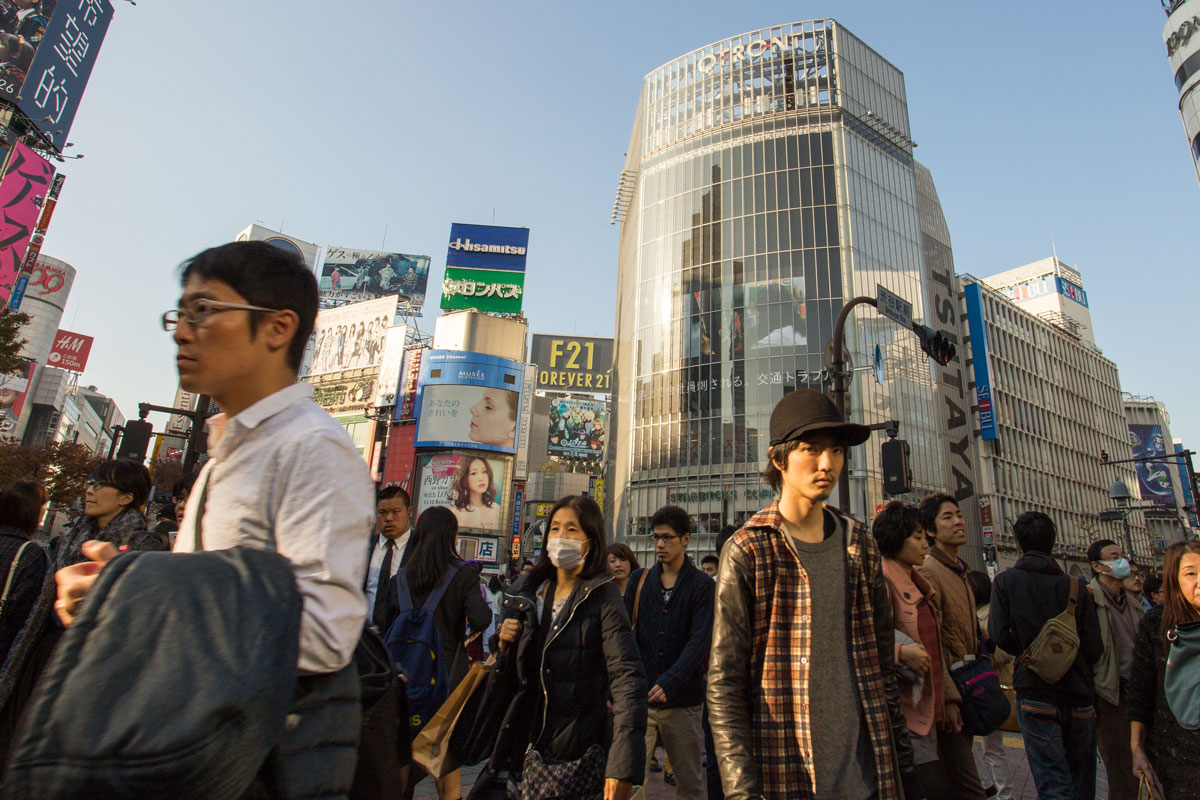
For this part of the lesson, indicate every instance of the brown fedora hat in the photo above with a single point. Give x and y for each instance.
(805, 411)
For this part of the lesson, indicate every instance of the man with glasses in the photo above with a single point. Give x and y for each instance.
(673, 626)
(802, 697)
(282, 475)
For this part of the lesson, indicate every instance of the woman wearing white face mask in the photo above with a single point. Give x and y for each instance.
(565, 644)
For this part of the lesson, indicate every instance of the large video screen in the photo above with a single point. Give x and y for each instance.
(469, 400)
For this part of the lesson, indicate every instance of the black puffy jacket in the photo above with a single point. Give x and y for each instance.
(559, 677)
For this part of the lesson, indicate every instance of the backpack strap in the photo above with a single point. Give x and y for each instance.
(404, 602)
(12, 571)
(404, 593)
(1074, 596)
(637, 598)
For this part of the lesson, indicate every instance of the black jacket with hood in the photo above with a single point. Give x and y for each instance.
(1023, 598)
(553, 685)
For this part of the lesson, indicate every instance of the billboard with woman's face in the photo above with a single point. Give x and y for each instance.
(471, 486)
(469, 400)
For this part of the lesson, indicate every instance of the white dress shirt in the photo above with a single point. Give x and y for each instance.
(377, 564)
(284, 476)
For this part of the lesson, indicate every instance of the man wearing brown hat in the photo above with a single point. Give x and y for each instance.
(802, 697)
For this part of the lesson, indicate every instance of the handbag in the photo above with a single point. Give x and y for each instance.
(984, 707)
(1181, 681)
(431, 749)
(1012, 724)
(12, 571)
(384, 752)
(1146, 790)
(581, 779)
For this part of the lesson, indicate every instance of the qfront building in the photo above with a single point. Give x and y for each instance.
(1181, 35)
(769, 179)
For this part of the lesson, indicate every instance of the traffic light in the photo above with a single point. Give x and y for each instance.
(897, 477)
(938, 345)
(135, 439)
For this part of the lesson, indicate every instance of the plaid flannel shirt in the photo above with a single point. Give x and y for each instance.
(782, 634)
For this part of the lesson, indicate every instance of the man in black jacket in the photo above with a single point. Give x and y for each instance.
(674, 607)
(1057, 720)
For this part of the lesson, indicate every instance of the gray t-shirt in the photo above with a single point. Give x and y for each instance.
(842, 757)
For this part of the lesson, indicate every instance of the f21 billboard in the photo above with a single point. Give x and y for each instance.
(47, 51)
(470, 400)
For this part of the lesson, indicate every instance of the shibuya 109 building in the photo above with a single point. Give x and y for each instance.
(769, 179)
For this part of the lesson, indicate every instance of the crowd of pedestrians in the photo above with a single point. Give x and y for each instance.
(809, 656)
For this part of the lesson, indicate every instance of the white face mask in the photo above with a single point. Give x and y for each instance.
(564, 553)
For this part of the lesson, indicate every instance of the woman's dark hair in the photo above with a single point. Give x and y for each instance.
(21, 505)
(981, 586)
(125, 475)
(184, 484)
(266, 275)
(591, 521)
(434, 547)
(1178, 607)
(929, 508)
(621, 551)
(494, 584)
(513, 399)
(724, 536)
(893, 525)
(460, 494)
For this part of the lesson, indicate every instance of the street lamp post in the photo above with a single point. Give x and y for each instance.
(1119, 494)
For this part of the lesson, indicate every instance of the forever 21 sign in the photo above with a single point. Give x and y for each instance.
(579, 364)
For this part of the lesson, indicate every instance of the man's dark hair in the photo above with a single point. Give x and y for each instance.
(724, 536)
(929, 508)
(981, 586)
(710, 559)
(184, 484)
(771, 474)
(893, 525)
(1094, 549)
(1035, 532)
(125, 475)
(21, 505)
(266, 276)
(1152, 584)
(674, 518)
(392, 492)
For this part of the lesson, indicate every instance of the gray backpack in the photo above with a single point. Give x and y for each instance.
(1053, 652)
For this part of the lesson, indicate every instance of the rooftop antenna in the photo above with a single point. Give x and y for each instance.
(383, 244)
(493, 215)
(1053, 249)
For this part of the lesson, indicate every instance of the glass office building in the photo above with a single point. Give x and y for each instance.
(769, 178)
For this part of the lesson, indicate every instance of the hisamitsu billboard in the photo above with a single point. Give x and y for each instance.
(572, 363)
(487, 247)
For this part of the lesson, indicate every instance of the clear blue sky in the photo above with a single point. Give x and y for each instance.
(338, 119)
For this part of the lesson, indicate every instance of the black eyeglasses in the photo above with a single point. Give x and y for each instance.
(198, 312)
(96, 485)
(664, 537)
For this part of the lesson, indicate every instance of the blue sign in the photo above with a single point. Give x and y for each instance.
(979, 356)
(61, 66)
(1186, 482)
(18, 292)
(1154, 477)
(518, 507)
(487, 247)
(1068, 289)
(469, 400)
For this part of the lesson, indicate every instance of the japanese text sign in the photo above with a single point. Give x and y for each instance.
(23, 188)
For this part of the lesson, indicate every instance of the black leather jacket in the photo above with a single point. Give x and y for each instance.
(559, 678)
(731, 674)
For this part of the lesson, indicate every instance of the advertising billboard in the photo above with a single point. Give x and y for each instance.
(469, 400)
(411, 372)
(572, 363)
(25, 184)
(487, 247)
(577, 428)
(1154, 477)
(350, 276)
(483, 290)
(305, 250)
(349, 337)
(14, 387)
(390, 365)
(979, 356)
(471, 486)
(70, 351)
(485, 268)
(49, 49)
(339, 395)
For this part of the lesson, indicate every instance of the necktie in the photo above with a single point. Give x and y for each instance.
(379, 614)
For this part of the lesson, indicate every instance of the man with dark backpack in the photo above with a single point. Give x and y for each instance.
(1031, 618)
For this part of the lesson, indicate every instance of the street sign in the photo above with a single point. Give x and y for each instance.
(893, 306)
(878, 365)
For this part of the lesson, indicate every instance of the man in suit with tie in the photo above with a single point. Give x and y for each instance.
(388, 546)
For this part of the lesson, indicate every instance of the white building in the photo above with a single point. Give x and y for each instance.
(1051, 290)
(1181, 35)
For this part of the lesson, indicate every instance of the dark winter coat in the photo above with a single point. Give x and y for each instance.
(559, 676)
(673, 639)
(1023, 598)
(1173, 750)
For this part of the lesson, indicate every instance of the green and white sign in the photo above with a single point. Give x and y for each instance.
(483, 289)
